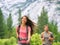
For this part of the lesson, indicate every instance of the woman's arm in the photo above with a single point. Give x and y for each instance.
(51, 38)
(16, 32)
(29, 34)
(42, 37)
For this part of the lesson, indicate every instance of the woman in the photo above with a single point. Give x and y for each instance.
(24, 31)
(47, 36)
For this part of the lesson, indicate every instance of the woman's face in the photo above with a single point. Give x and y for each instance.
(46, 28)
(24, 20)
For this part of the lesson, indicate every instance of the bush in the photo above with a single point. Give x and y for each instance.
(7, 42)
(35, 39)
(11, 41)
(57, 37)
(1, 42)
(56, 43)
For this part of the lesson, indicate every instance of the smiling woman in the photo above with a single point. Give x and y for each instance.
(24, 31)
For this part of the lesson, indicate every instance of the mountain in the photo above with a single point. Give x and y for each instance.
(32, 8)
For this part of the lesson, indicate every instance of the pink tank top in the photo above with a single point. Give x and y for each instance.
(23, 34)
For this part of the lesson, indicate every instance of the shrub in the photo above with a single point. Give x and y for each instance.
(13, 41)
(7, 42)
(35, 39)
(56, 43)
(1, 42)
(57, 37)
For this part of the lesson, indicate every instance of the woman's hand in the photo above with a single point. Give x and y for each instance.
(28, 41)
(42, 39)
(51, 39)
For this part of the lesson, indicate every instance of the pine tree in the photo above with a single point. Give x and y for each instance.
(2, 30)
(53, 27)
(9, 24)
(42, 20)
(19, 18)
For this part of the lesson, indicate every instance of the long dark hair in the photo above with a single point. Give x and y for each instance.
(29, 23)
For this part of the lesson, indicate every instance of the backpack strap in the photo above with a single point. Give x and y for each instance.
(19, 33)
(18, 29)
(27, 32)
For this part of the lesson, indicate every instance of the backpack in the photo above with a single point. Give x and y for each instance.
(19, 32)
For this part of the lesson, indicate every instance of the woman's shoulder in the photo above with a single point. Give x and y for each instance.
(50, 32)
(42, 33)
(29, 28)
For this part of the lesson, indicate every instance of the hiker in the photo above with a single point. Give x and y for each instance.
(47, 36)
(24, 31)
